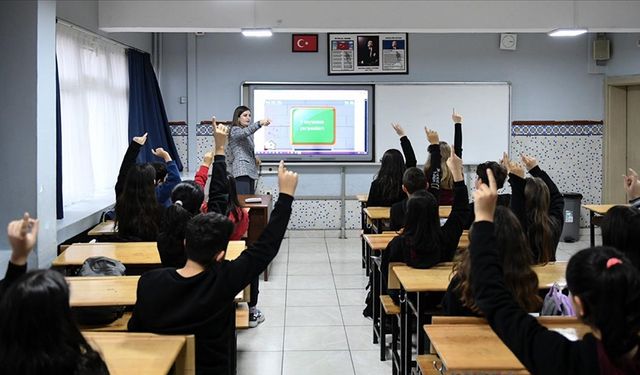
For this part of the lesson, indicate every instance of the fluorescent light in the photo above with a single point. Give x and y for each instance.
(257, 32)
(567, 32)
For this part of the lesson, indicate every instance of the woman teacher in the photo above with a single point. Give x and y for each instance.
(241, 156)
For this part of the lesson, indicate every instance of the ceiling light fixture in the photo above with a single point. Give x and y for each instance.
(567, 32)
(255, 32)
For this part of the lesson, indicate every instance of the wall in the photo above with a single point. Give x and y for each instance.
(625, 54)
(27, 117)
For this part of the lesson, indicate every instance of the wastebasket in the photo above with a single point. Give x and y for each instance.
(571, 228)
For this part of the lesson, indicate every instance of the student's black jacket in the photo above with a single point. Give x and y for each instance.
(376, 197)
(540, 350)
(168, 303)
(452, 303)
(13, 273)
(556, 206)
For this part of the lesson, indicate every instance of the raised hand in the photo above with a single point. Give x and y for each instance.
(264, 122)
(515, 168)
(22, 236)
(258, 161)
(141, 139)
(207, 158)
(161, 153)
(399, 131)
(455, 166)
(287, 180)
(456, 117)
(220, 135)
(632, 184)
(529, 161)
(432, 136)
(485, 198)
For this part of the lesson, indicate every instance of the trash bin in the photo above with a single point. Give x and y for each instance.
(571, 228)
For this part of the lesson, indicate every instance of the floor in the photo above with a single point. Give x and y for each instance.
(313, 305)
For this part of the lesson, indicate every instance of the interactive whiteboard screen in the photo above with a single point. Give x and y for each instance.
(313, 123)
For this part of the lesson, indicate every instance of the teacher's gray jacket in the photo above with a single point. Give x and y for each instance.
(241, 157)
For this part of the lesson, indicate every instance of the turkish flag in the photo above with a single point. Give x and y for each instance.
(305, 43)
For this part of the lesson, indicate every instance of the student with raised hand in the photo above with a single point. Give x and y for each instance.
(445, 185)
(632, 188)
(386, 188)
(621, 230)
(515, 258)
(413, 180)
(598, 278)
(198, 298)
(500, 174)
(539, 206)
(37, 331)
(424, 243)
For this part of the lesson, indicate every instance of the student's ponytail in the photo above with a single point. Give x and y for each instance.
(540, 226)
(609, 287)
(187, 198)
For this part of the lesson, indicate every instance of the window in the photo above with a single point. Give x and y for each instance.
(94, 104)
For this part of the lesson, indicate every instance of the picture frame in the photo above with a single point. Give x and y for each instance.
(367, 53)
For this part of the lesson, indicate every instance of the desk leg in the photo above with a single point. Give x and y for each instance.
(363, 220)
(405, 336)
(592, 231)
(421, 336)
(375, 302)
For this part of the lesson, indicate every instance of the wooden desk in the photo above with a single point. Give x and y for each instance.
(362, 198)
(259, 214)
(139, 353)
(436, 280)
(475, 348)
(129, 253)
(596, 211)
(103, 291)
(105, 228)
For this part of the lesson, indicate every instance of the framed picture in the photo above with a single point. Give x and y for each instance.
(304, 43)
(368, 53)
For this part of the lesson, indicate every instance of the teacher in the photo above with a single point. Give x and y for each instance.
(240, 153)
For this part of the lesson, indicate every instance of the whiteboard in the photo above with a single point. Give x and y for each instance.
(485, 108)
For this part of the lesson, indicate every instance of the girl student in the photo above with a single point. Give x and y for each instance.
(31, 344)
(515, 258)
(386, 188)
(424, 243)
(446, 180)
(240, 153)
(539, 206)
(621, 230)
(598, 278)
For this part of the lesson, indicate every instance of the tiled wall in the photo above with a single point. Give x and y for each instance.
(571, 152)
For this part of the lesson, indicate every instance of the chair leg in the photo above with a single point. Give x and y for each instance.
(383, 336)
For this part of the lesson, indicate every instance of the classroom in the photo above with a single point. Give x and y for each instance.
(82, 78)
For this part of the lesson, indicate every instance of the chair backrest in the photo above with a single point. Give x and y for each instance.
(186, 361)
(392, 280)
(457, 320)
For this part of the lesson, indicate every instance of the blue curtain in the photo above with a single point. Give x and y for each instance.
(59, 202)
(146, 109)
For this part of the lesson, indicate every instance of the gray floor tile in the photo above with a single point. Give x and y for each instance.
(360, 338)
(350, 281)
(273, 316)
(316, 298)
(306, 269)
(275, 282)
(310, 282)
(261, 339)
(308, 257)
(345, 256)
(270, 297)
(348, 267)
(315, 338)
(368, 363)
(306, 233)
(351, 297)
(263, 363)
(312, 316)
(352, 316)
(317, 363)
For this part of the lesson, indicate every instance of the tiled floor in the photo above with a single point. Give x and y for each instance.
(313, 305)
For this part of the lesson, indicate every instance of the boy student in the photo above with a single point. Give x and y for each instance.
(500, 175)
(198, 298)
(412, 181)
(632, 187)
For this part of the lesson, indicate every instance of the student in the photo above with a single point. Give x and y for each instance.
(187, 197)
(621, 229)
(386, 188)
(515, 258)
(166, 176)
(446, 180)
(598, 278)
(500, 174)
(424, 243)
(539, 206)
(37, 331)
(240, 153)
(412, 181)
(198, 298)
(632, 187)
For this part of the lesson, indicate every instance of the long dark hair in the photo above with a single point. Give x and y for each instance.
(540, 226)
(390, 174)
(621, 229)
(37, 331)
(422, 231)
(187, 198)
(137, 208)
(513, 249)
(236, 114)
(610, 297)
(233, 204)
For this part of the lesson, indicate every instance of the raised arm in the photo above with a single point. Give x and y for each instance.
(435, 171)
(22, 235)
(453, 227)
(407, 149)
(517, 182)
(457, 133)
(218, 189)
(203, 171)
(556, 201)
(240, 132)
(163, 191)
(128, 161)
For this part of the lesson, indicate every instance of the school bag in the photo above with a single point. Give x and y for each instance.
(557, 303)
(100, 266)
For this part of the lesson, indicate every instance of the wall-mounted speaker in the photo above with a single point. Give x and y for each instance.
(601, 49)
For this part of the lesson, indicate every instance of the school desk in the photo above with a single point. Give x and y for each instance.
(475, 348)
(139, 353)
(105, 228)
(422, 282)
(259, 214)
(596, 212)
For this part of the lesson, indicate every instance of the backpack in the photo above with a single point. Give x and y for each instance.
(557, 303)
(100, 266)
